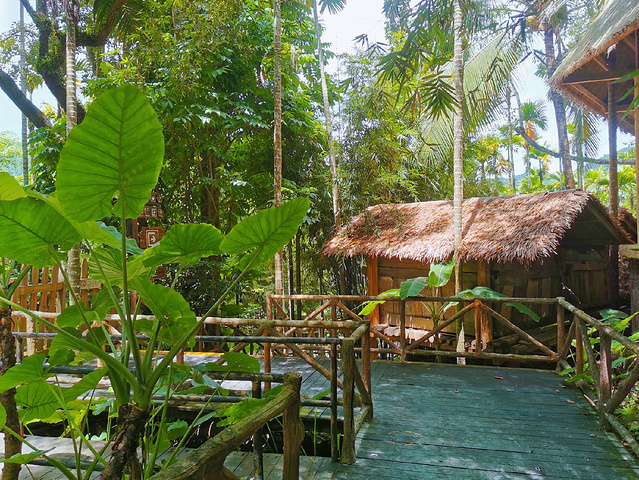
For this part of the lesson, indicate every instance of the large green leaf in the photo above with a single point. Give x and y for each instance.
(3, 416)
(265, 233)
(10, 189)
(38, 400)
(440, 273)
(235, 362)
(106, 266)
(115, 153)
(170, 309)
(29, 370)
(25, 458)
(370, 306)
(412, 287)
(485, 292)
(185, 244)
(73, 315)
(30, 231)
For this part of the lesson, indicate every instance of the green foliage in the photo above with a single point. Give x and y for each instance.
(114, 154)
(120, 142)
(485, 292)
(10, 153)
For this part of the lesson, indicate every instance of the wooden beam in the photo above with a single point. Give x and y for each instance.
(373, 286)
(583, 78)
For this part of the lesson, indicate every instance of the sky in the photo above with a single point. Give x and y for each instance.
(358, 17)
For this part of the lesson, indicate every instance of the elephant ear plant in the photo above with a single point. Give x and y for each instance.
(107, 168)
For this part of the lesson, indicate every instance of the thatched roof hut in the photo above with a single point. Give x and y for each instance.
(521, 228)
(585, 71)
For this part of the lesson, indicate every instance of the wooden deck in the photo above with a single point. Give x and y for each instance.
(443, 421)
(436, 421)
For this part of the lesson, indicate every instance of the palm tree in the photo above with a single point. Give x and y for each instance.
(73, 265)
(333, 7)
(23, 87)
(277, 128)
(533, 116)
(458, 158)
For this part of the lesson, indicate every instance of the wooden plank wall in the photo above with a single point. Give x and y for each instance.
(43, 290)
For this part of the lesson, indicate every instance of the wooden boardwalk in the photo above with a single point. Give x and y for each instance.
(435, 421)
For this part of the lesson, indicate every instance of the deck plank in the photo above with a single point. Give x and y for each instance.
(447, 421)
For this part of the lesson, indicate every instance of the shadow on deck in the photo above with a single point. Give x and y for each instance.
(443, 421)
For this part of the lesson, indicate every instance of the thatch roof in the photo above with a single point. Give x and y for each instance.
(518, 228)
(583, 73)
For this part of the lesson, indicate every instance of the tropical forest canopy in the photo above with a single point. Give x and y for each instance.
(207, 68)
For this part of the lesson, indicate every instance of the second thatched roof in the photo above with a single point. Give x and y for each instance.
(518, 228)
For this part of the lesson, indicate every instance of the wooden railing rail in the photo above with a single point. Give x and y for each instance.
(608, 396)
(207, 461)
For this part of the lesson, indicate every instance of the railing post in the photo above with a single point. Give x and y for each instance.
(402, 329)
(561, 334)
(258, 455)
(579, 350)
(366, 358)
(267, 346)
(334, 432)
(348, 393)
(605, 379)
(293, 430)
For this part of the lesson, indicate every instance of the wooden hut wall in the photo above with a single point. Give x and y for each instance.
(391, 273)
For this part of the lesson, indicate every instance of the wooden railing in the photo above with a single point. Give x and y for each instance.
(572, 344)
(480, 307)
(208, 460)
(608, 395)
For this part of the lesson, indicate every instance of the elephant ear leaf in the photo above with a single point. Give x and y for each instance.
(10, 189)
(264, 234)
(185, 244)
(115, 153)
(31, 231)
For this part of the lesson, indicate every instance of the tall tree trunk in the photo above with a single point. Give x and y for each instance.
(277, 127)
(327, 121)
(73, 263)
(23, 88)
(527, 161)
(12, 445)
(511, 153)
(458, 160)
(560, 109)
(613, 181)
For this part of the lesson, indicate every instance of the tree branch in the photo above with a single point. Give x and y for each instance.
(599, 161)
(25, 105)
(537, 146)
(102, 36)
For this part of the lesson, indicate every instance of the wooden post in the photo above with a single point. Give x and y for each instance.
(267, 346)
(373, 286)
(613, 259)
(561, 333)
(633, 285)
(334, 432)
(366, 358)
(402, 329)
(258, 438)
(348, 391)
(479, 313)
(579, 354)
(293, 430)
(605, 380)
(485, 321)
